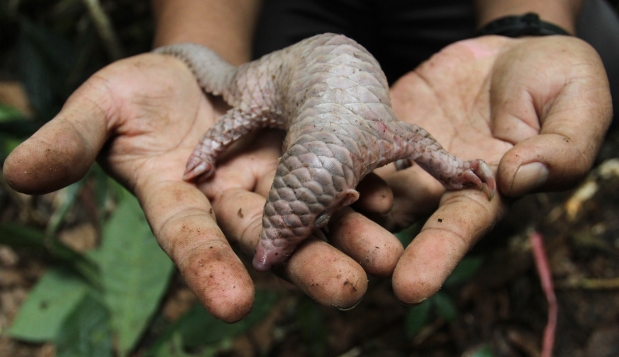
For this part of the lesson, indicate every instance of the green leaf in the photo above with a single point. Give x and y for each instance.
(416, 317)
(483, 351)
(135, 272)
(55, 48)
(313, 327)
(18, 128)
(14, 125)
(50, 301)
(205, 329)
(445, 306)
(16, 235)
(106, 189)
(174, 348)
(464, 271)
(199, 328)
(9, 113)
(408, 234)
(85, 63)
(45, 60)
(7, 144)
(68, 200)
(86, 331)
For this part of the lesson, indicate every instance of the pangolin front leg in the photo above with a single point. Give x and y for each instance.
(331, 96)
(228, 129)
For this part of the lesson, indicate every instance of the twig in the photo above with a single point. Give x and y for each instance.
(428, 331)
(590, 284)
(104, 28)
(543, 270)
(354, 352)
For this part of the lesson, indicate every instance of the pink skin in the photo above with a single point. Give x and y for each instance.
(478, 50)
(267, 256)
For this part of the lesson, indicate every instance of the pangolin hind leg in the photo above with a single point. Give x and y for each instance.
(451, 171)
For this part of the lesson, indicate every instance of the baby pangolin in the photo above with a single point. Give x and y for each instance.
(332, 98)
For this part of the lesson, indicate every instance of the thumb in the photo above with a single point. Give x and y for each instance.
(61, 151)
(555, 112)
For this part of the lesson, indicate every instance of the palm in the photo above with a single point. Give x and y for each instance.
(523, 106)
(449, 96)
(159, 114)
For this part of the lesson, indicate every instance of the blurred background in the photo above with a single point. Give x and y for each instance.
(82, 275)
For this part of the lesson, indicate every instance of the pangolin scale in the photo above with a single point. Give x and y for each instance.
(331, 97)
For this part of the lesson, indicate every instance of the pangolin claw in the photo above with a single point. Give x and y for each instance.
(486, 175)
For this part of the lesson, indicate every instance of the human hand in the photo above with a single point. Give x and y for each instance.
(535, 109)
(141, 118)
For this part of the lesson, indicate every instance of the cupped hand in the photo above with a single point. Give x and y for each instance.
(141, 118)
(535, 109)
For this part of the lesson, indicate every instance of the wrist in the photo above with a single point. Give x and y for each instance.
(226, 27)
(562, 13)
(516, 26)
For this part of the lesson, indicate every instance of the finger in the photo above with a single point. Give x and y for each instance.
(448, 234)
(321, 271)
(374, 248)
(183, 222)
(62, 151)
(326, 275)
(249, 164)
(570, 114)
(375, 195)
(416, 193)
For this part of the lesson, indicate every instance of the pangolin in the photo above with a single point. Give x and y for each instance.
(332, 98)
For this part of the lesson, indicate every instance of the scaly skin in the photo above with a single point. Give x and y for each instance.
(332, 98)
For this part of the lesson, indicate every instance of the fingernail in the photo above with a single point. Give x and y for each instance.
(528, 177)
(414, 303)
(350, 307)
